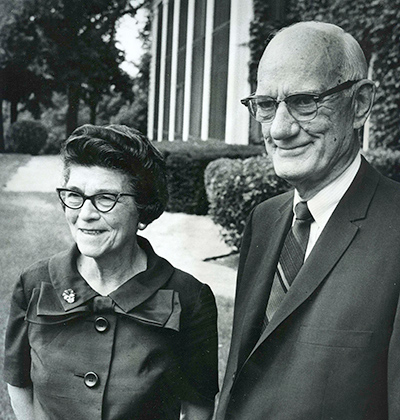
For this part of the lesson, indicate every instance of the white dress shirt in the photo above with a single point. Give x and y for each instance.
(323, 204)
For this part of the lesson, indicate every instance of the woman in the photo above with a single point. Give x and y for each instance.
(109, 330)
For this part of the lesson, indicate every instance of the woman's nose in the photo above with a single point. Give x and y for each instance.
(88, 211)
(283, 125)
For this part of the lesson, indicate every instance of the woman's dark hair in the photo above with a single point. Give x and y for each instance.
(127, 151)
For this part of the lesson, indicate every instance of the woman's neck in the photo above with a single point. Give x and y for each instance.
(107, 274)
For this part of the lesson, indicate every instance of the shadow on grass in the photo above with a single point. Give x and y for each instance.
(32, 227)
(9, 163)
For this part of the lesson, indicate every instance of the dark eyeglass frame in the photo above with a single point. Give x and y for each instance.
(316, 97)
(92, 199)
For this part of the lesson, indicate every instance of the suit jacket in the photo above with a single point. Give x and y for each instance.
(332, 349)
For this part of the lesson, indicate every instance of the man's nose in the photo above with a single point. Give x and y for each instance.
(88, 211)
(283, 125)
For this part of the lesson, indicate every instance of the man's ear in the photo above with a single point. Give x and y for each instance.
(363, 101)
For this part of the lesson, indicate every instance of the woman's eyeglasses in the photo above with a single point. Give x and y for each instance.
(301, 106)
(103, 202)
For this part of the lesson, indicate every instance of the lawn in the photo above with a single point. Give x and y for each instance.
(32, 227)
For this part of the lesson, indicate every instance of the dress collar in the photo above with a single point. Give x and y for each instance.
(64, 275)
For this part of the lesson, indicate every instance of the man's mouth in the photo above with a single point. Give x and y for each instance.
(291, 149)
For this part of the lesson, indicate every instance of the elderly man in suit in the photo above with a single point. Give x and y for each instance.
(316, 331)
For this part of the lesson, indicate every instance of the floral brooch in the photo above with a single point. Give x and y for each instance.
(69, 295)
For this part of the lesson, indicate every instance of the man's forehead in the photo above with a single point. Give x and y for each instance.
(302, 55)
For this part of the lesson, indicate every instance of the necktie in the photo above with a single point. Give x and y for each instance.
(290, 260)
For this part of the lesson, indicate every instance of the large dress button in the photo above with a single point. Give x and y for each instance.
(101, 324)
(91, 379)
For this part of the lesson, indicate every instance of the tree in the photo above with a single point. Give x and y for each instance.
(22, 75)
(72, 43)
(103, 79)
(83, 58)
(134, 114)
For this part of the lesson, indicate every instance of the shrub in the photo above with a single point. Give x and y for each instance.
(186, 163)
(26, 136)
(234, 187)
(386, 161)
(54, 141)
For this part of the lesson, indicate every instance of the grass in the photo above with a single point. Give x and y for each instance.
(32, 227)
(225, 315)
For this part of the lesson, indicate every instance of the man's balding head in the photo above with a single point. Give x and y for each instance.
(303, 62)
(315, 48)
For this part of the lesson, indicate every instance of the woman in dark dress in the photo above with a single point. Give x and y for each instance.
(108, 329)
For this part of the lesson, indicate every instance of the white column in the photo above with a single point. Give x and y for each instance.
(174, 70)
(237, 116)
(153, 67)
(188, 71)
(164, 29)
(205, 114)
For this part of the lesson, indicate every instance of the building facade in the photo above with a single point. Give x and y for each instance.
(199, 70)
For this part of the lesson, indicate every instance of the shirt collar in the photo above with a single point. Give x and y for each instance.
(64, 275)
(323, 204)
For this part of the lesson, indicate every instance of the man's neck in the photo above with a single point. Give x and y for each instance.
(307, 190)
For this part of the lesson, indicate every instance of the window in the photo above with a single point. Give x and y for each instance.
(197, 68)
(157, 72)
(168, 62)
(219, 69)
(180, 82)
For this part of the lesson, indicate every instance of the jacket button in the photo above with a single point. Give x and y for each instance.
(91, 379)
(101, 324)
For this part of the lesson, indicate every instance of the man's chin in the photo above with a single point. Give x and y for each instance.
(289, 170)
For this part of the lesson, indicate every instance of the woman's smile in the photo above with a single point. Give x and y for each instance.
(91, 231)
(102, 234)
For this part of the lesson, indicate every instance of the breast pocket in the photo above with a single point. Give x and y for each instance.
(334, 338)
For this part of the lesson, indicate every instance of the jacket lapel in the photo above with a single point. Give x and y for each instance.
(335, 239)
(263, 266)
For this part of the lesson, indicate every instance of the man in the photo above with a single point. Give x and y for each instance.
(318, 339)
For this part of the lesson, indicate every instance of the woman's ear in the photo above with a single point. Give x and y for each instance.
(363, 100)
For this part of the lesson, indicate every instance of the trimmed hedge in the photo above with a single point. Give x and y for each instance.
(235, 186)
(386, 161)
(26, 136)
(186, 163)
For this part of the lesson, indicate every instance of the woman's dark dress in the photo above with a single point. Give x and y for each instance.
(132, 355)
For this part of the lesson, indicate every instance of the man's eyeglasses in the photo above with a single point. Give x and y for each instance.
(103, 202)
(301, 106)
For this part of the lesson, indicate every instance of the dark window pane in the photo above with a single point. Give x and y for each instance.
(219, 70)
(180, 82)
(222, 11)
(168, 62)
(198, 68)
(157, 72)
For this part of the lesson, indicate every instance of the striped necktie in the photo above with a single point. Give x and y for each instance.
(290, 260)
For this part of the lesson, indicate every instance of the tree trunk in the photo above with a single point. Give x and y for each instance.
(73, 107)
(13, 111)
(2, 144)
(93, 113)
